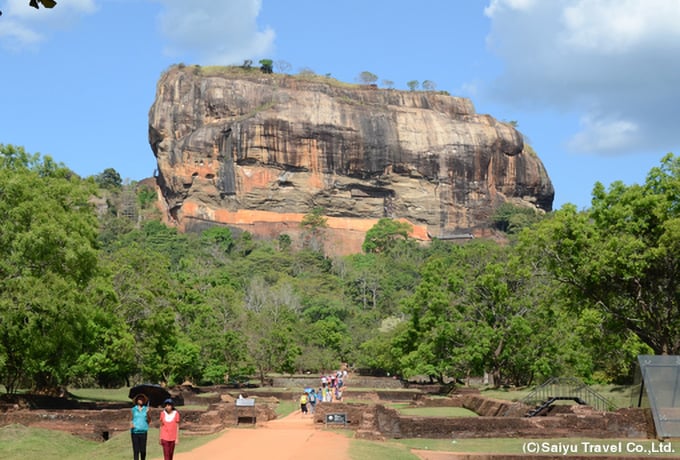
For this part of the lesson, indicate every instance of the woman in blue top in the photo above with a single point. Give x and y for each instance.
(139, 426)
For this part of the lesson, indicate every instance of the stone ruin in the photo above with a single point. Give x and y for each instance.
(376, 421)
(370, 420)
(100, 421)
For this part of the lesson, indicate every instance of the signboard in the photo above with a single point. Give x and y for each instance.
(336, 419)
(249, 405)
(245, 402)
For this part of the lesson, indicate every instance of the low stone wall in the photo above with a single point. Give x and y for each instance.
(278, 394)
(386, 395)
(226, 414)
(101, 424)
(583, 422)
(97, 425)
(369, 420)
(352, 381)
(487, 407)
(624, 423)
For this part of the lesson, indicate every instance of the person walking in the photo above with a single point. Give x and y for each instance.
(303, 403)
(312, 400)
(139, 426)
(169, 432)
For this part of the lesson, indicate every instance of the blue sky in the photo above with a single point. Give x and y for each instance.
(591, 83)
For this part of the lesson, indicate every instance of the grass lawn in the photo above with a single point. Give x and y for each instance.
(120, 395)
(437, 412)
(18, 442)
(284, 408)
(292, 391)
(101, 394)
(361, 450)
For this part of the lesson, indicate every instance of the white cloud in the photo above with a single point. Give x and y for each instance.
(209, 31)
(612, 61)
(223, 32)
(496, 6)
(604, 135)
(620, 26)
(14, 35)
(24, 26)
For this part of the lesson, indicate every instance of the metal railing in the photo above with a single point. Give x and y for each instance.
(563, 388)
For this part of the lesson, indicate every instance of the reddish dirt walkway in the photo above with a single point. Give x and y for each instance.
(291, 438)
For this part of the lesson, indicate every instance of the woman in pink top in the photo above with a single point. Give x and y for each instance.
(169, 429)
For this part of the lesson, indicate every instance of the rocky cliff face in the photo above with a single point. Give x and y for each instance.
(259, 152)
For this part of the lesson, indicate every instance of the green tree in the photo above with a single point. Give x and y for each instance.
(383, 235)
(379, 352)
(505, 298)
(426, 345)
(48, 255)
(314, 224)
(413, 84)
(363, 280)
(109, 179)
(330, 335)
(266, 65)
(211, 313)
(285, 242)
(219, 238)
(620, 257)
(146, 298)
(429, 85)
(478, 308)
(146, 196)
(511, 219)
(367, 78)
(388, 83)
(245, 244)
(183, 361)
(272, 341)
(108, 355)
(158, 237)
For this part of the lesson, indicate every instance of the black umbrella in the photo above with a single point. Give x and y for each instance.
(156, 393)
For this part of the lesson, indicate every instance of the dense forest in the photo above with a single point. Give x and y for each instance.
(96, 291)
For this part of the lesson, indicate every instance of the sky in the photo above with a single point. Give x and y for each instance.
(592, 84)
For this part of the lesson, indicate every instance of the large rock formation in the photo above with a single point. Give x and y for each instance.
(259, 152)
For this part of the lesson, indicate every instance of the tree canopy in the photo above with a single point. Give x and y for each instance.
(48, 255)
(367, 77)
(109, 298)
(382, 235)
(622, 255)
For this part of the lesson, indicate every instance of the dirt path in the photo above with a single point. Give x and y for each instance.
(291, 438)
